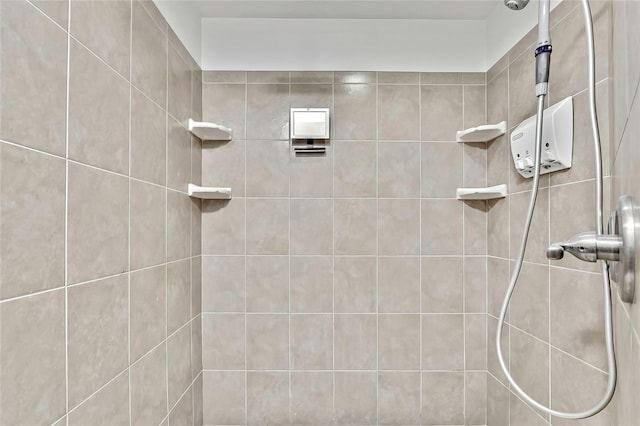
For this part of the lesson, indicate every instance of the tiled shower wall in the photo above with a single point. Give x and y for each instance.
(100, 246)
(349, 287)
(554, 343)
(625, 157)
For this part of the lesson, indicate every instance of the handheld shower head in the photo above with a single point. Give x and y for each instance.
(516, 4)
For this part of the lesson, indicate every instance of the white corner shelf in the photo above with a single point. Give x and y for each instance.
(482, 133)
(490, 193)
(210, 131)
(209, 192)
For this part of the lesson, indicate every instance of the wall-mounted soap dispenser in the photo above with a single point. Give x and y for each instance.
(309, 130)
(557, 140)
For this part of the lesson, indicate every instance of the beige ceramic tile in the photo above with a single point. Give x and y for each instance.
(311, 284)
(32, 346)
(398, 170)
(32, 223)
(225, 104)
(355, 284)
(475, 341)
(178, 225)
(442, 169)
(355, 340)
(442, 398)
(475, 227)
(109, 406)
(312, 342)
(354, 114)
(312, 96)
(312, 398)
(312, 175)
(267, 342)
(275, 408)
(475, 284)
(182, 413)
(311, 228)
(268, 111)
(475, 412)
(443, 118)
(178, 364)
(223, 284)
(399, 342)
(398, 227)
(267, 226)
(441, 227)
(225, 220)
(148, 140)
(267, 284)
(178, 156)
(440, 78)
(539, 233)
(224, 392)
(529, 364)
(399, 284)
(267, 166)
(497, 402)
(223, 164)
(355, 226)
(149, 388)
(355, 169)
(148, 217)
(529, 308)
(97, 136)
(583, 338)
(399, 398)
(356, 398)
(399, 77)
(196, 285)
(98, 335)
(105, 28)
(148, 310)
(474, 106)
(344, 77)
(268, 77)
(443, 337)
(148, 56)
(224, 76)
(179, 87)
(442, 280)
(98, 205)
(398, 112)
(196, 347)
(314, 77)
(178, 294)
(32, 44)
(223, 337)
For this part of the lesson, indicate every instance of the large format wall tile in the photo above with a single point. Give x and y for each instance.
(148, 140)
(32, 79)
(32, 347)
(98, 334)
(98, 219)
(148, 56)
(98, 112)
(32, 187)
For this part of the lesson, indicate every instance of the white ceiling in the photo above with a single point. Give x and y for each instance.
(344, 9)
(374, 35)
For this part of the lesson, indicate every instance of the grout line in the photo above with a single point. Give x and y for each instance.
(66, 217)
(129, 211)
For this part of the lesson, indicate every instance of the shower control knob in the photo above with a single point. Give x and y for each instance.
(555, 252)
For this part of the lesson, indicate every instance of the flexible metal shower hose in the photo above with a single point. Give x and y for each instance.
(611, 361)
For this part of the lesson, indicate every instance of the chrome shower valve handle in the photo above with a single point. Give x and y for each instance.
(617, 248)
(588, 246)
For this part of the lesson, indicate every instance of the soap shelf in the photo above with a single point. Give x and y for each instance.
(490, 193)
(209, 192)
(482, 133)
(210, 131)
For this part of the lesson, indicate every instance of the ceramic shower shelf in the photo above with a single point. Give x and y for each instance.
(210, 131)
(482, 133)
(490, 193)
(209, 192)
